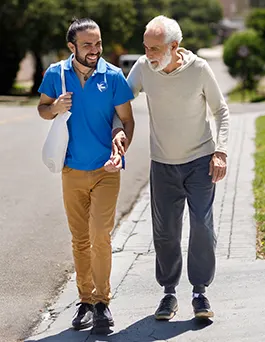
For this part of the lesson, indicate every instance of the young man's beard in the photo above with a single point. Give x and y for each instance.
(163, 63)
(84, 62)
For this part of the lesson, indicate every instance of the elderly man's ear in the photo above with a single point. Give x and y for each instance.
(174, 45)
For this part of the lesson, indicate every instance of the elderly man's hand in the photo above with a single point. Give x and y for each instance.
(114, 164)
(218, 166)
(120, 140)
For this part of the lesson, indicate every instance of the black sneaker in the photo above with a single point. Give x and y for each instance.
(201, 307)
(102, 316)
(83, 316)
(167, 308)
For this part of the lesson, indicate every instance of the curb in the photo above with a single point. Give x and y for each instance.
(128, 225)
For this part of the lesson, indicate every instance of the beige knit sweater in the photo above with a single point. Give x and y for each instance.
(179, 125)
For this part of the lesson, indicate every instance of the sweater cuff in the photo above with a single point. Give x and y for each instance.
(222, 150)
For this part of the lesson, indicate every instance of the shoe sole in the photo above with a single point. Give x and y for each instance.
(204, 314)
(166, 317)
(83, 326)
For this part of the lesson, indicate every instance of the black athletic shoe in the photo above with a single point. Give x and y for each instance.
(83, 316)
(102, 316)
(201, 307)
(167, 308)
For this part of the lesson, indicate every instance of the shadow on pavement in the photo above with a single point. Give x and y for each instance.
(69, 335)
(145, 330)
(150, 330)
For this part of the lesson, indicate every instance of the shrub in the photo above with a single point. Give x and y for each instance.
(244, 54)
(256, 21)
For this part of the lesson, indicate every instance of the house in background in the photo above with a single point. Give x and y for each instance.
(257, 3)
(235, 8)
(234, 17)
(239, 8)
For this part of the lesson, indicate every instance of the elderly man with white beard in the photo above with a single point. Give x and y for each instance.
(186, 162)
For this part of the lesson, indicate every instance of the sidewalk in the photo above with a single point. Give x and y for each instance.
(237, 293)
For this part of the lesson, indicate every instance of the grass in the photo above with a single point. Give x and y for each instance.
(259, 185)
(19, 100)
(20, 96)
(238, 95)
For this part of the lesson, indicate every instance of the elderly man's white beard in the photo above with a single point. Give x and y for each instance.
(163, 63)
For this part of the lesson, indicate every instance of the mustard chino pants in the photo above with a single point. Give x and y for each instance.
(90, 199)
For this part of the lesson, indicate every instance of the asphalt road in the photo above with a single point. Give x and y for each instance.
(35, 257)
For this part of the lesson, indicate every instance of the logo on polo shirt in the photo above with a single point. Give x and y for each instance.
(102, 86)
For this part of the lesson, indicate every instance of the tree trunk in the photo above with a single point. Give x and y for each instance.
(38, 74)
(10, 57)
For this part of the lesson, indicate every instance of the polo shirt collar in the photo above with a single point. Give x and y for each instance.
(101, 65)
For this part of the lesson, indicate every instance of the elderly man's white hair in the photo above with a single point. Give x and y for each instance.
(171, 27)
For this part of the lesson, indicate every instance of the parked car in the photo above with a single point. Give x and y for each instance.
(126, 62)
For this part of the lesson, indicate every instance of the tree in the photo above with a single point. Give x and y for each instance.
(12, 41)
(116, 19)
(197, 20)
(195, 35)
(146, 10)
(256, 21)
(244, 54)
(26, 25)
(48, 21)
(40, 26)
(45, 22)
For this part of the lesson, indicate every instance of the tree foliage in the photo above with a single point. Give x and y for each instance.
(197, 20)
(248, 66)
(12, 41)
(145, 11)
(115, 18)
(203, 11)
(40, 26)
(44, 26)
(256, 21)
(49, 21)
(195, 35)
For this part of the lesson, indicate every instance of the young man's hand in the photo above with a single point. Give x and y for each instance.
(114, 164)
(63, 103)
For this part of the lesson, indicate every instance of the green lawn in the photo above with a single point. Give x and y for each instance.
(259, 185)
(20, 96)
(19, 100)
(237, 95)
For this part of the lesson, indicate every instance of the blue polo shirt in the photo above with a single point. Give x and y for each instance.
(93, 108)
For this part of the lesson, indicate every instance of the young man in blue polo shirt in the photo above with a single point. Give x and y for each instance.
(95, 89)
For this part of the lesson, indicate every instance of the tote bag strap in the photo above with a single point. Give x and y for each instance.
(63, 78)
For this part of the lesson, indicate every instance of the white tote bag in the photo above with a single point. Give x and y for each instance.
(55, 146)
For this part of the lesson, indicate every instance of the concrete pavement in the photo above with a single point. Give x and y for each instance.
(237, 293)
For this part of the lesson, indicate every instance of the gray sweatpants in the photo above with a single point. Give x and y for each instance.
(171, 185)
